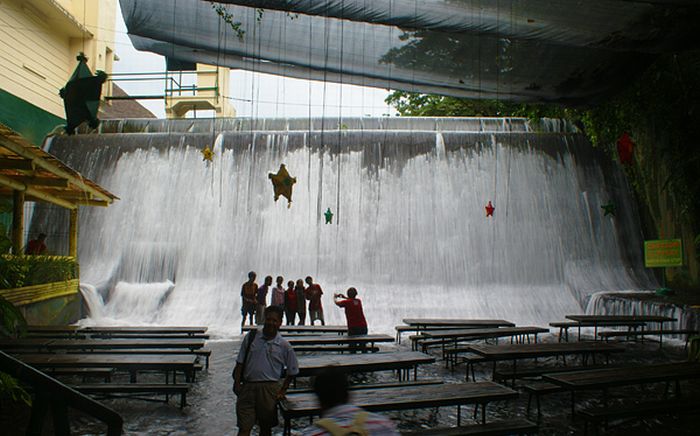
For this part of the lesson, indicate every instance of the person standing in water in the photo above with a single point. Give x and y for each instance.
(278, 293)
(313, 294)
(265, 366)
(301, 301)
(290, 303)
(261, 299)
(355, 316)
(248, 295)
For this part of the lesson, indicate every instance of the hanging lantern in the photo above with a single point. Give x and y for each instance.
(489, 209)
(207, 154)
(81, 96)
(282, 184)
(608, 209)
(625, 148)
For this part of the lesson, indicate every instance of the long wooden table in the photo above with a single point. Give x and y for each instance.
(338, 340)
(314, 329)
(466, 323)
(456, 336)
(606, 378)
(632, 321)
(311, 365)
(71, 330)
(515, 352)
(402, 398)
(124, 362)
(100, 344)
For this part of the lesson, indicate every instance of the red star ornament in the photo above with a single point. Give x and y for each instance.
(625, 148)
(489, 209)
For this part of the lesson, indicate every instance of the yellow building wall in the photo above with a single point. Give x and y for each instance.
(39, 42)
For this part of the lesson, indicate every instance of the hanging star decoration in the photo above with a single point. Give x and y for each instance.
(608, 209)
(282, 183)
(207, 154)
(625, 148)
(329, 216)
(81, 96)
(489, 209)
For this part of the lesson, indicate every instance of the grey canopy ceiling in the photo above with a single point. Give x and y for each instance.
(528, 50)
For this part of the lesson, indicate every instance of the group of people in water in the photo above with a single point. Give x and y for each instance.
(291, 299)
(266, 363)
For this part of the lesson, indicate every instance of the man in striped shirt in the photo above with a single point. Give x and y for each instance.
(340, 418)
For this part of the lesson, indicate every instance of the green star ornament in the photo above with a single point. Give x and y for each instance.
(329, 216)
(608, 209)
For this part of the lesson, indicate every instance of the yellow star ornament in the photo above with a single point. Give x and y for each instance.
(282, 183)
(207, 155)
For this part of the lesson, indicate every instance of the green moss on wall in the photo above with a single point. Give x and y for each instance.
(661, 112)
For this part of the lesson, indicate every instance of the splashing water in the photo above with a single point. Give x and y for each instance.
(409, 232)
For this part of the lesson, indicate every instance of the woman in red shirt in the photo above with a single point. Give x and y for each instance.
(357, 325)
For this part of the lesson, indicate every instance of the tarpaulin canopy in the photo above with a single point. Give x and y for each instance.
(527, 50)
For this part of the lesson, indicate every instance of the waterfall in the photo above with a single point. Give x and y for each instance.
(410, 230)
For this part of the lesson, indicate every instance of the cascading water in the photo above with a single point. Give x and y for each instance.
(409, 232)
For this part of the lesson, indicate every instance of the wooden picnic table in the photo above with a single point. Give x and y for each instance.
(402, 398)
(339, 329)
(515, 352)
(109, 344)
(99, 344)
(311, 365)
(124, 362)
(456, 336)
(606, 378)
(120, 329)
(338, 340)
(631, 321)
(466, 323)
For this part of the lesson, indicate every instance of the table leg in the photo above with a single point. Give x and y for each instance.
(483, 413)
(459, 414)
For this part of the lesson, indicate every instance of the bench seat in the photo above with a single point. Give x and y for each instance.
(599, 415)
(104, 373)
(335, 349)
(642, 333)
(131, 389)
(376, 385)
(537, 389)
(510, 427)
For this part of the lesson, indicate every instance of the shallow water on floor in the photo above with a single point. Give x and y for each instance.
(211, 402)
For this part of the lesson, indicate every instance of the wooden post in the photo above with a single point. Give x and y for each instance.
(17, 221)
(73, 234)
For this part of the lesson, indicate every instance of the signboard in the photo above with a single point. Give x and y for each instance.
(662, 253)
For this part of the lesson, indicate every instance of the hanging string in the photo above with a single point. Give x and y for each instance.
(340, 115)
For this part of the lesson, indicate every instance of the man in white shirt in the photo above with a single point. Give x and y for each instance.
(264, 359)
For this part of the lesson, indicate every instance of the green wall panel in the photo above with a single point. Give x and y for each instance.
(30, 121)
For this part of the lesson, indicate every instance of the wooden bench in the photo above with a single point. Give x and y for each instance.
(104, 373)
(510, 427)
(335, 349)
(536, 372)
(375, 385)
(601, 415)
(411, 328)
(133, 389)
(642, 333)
(202, 352)
(537, 389)
(564, 327)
